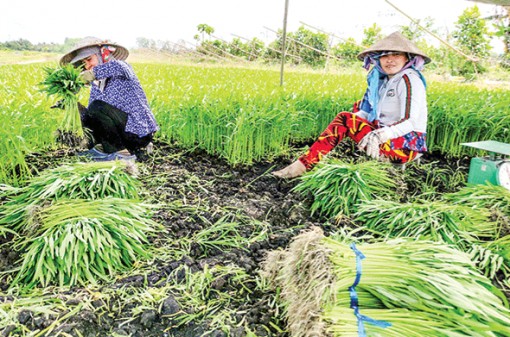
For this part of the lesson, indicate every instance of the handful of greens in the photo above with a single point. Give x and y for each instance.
(65, 82)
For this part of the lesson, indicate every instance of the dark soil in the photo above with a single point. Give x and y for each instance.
(197, 189)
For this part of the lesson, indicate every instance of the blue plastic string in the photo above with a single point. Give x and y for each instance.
(354, 298)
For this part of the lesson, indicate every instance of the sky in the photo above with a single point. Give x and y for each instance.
(124, 21)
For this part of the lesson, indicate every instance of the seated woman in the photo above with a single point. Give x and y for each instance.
(391, 119)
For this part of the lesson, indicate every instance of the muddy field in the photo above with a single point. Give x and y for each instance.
(196, 190)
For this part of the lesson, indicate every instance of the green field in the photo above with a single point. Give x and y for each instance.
(243, 114)
(178, 245)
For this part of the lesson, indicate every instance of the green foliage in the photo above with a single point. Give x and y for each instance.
(338, 188)
(304, 37)
(76, 242)
(405, 279)
(65, 83)
(371, 35)
(94, 180)
(250, 51)
(456, 225)
(244, 115)
(25, 45)
(491, 256)
(473, 36)
(480, 196)
(493, 259)
(200, 295)
(465, 113)
(472, 33)
(27, 125)
(414, 32)
(306, 46)
(204, 29)
(421, 288)
(347, 50)
(20, 44)
(225, 234)
(429, 179)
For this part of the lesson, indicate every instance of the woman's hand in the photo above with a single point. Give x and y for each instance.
(372, 141)
(87, 76)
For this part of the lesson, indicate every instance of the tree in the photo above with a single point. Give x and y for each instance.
(145, 43)
(372, 34)
(413, 32)
(472, 34)
(204, 29)
(256, 48)
(502, 24)
(473, 37)
(20, 44)
(309, 46)
(347, 50)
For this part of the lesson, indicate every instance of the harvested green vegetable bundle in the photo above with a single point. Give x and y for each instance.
(339, 187)
(493, 256)
(84, 241)
(398, 288)
(494, 198)
(471, 229)
(65, 83)
(91, 180)
(457, 225)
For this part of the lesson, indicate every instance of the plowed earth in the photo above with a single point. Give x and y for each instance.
(196, 190)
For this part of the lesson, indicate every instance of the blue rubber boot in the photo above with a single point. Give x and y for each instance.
(116, 156)
(93, 153)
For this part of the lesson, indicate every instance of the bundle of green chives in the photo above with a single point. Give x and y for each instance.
(457, 225)
(91, 180)
(495, 198)
(65, 83)
(419, 288)
(491, 256)
(337, 188)
(84, 241)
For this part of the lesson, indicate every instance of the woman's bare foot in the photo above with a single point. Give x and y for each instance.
(295, 169)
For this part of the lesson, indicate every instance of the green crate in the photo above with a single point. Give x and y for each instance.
(483, 170)
(494, 168)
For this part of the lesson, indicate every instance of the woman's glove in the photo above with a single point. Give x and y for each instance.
(372, 141)
(87, 76)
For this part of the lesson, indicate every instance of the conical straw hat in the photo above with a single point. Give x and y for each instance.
(120, 52)
(394, 42)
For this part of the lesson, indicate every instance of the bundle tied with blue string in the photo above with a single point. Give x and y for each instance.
(393, 43)
(341, 286)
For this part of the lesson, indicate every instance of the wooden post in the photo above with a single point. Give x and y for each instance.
(284, 47)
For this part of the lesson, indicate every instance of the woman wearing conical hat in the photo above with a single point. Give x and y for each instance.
(391, 120)
(118, 113)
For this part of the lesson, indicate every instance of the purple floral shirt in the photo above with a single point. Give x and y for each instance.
(123, 91)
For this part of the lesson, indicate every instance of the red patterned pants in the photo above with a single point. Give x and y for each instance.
(354, 127)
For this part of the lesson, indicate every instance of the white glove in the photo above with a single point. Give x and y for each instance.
(372, 141)
(384, 134)
(87, 76)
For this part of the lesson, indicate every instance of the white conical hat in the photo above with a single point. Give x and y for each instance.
(394, 42)
(74, 55)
